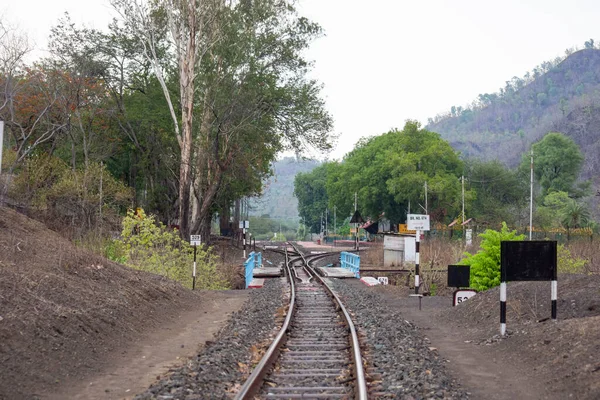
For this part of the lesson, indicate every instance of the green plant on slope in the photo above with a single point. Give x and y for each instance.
(567, 263)
(485, 264)
(151, 247)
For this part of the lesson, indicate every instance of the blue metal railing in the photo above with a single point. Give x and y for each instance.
(351, 262)
(254, 261)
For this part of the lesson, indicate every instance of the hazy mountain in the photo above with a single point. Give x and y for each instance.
(562, 95)
(278, 199)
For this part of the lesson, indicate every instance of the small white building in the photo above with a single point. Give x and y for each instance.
(398, 249)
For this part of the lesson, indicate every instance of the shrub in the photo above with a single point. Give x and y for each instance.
(149, 246)
(567, 263)
(485, 264)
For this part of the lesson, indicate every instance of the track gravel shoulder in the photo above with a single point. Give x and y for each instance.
(401, 361)
(221, 368)
(157, 352)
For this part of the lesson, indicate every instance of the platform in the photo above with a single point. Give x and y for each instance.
(335, 272)
(266, 272)
(256, 283)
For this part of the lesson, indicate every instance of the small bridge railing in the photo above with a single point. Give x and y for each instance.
(351, 262)
(254, 261)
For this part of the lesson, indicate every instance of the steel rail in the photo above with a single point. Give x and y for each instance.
(361, 393)
(255, 380)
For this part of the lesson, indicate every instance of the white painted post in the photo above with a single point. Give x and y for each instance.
(531, 197)
(244, 239)
(417, 260)
(502, 308)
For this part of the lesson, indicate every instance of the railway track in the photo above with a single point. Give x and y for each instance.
(316, 354)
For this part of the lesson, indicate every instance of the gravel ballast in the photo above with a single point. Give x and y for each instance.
(224, 364)
(408, 367)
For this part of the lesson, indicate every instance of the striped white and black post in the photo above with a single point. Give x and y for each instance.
(502, 308)
(244, 241)
(194, 271)
(554, 295)
(417, 260)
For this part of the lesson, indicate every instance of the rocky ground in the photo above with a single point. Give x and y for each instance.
(403, 363)
(225, 363)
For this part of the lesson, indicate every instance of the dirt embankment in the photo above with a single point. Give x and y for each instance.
(63, 309)
(538, 359)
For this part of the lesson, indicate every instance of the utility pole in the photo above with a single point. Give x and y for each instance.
(531, 198)
(426, 198)
(463, 199)
(326, 218)
(321, 228)
(356, 224)
(334, 225)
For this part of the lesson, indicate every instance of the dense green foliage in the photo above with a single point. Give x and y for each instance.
(500, 193)
(485, 264)
(311, 192)
(557, 163)
(386, 172)
(109, 96)
(149, 246)
(82, 197)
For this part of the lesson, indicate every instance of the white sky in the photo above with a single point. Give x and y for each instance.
(385, 61)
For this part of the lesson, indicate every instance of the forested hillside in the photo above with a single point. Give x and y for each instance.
(562, 95)
(278, 199)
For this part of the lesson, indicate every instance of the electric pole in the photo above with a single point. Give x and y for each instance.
(531, 198)
(426, 198)
(463, 199)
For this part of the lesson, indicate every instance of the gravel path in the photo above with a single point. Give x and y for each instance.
(408, 367)
(224, 364)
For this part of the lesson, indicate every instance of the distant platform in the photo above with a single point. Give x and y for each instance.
(266, 272)
(335, 272)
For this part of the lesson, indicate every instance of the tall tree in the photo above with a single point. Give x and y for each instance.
(557, 163)
(311, 192)
(390, 170)
(191, 31)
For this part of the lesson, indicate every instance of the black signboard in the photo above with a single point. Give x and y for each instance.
(528, 260)
(357, 218)
(459, 276)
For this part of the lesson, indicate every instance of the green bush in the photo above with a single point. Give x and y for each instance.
(149, 246)
(485, 264)
(567, 263)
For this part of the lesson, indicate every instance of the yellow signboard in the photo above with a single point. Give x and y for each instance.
(403, 229)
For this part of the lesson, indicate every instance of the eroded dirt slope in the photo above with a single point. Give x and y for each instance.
(63, 309)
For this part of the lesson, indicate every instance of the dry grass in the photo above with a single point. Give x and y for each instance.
(588, 250)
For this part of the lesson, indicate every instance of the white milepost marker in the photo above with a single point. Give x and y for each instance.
(194, 241)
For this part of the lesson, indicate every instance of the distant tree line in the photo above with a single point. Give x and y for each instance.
(389, 173)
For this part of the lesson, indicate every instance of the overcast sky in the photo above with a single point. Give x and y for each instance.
(385, 61)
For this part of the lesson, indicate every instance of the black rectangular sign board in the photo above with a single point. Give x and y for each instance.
(459, 276)
(528, 260)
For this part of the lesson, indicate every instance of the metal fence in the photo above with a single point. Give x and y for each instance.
(254, 261)
(351, 262)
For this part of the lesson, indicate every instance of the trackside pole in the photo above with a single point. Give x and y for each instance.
(244, 241)
(417, 260)
(194, 271)
(554, 295)
(502, 308)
